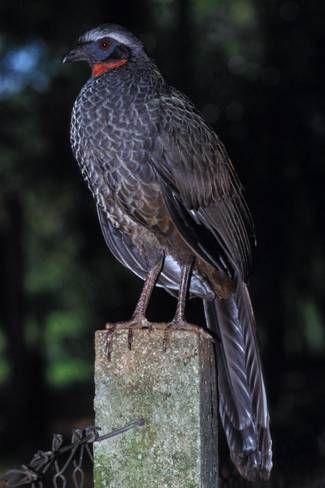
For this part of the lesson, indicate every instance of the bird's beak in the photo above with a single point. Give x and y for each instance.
(76, 54)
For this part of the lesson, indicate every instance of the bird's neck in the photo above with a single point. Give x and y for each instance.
(126, 73)
(99, 69)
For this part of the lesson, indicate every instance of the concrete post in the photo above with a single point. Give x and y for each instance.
(174, 391)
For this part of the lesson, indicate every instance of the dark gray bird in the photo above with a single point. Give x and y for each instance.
(172, 210)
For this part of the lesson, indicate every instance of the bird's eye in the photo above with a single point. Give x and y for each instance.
(104, 43)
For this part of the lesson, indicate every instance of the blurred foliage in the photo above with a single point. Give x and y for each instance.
(255, 69)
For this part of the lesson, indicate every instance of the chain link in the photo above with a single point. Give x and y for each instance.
(63, 462)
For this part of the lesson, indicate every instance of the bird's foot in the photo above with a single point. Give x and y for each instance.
(136, 322)
(182, 325)
(140, 323)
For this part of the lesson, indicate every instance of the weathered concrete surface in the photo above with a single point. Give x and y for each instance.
(172, 391)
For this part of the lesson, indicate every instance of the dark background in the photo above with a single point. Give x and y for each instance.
(255, 68)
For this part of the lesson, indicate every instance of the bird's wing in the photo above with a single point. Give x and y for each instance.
(200, 187)
(123, 249)
(121, 246)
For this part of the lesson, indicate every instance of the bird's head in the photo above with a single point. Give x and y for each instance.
(105, 48)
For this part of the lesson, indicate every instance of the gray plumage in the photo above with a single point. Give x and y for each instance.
(164, 186)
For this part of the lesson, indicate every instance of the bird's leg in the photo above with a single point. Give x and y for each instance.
(182, 294)
(179, 322)
(139, 314)
(138, 318)
(143, 302)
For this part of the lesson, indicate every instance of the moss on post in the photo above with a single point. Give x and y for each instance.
(172, 390)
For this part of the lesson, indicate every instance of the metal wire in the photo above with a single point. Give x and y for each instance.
(62, 462)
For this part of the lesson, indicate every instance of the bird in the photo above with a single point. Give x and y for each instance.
(172, 209)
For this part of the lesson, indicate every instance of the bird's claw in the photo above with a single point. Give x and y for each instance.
(137, 322)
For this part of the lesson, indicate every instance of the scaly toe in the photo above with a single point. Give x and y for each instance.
(136, 322)
(109, 341)
(141, 322)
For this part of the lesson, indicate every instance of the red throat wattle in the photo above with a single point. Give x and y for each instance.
(101, 68)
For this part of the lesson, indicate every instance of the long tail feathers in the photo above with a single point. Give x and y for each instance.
(242, 399)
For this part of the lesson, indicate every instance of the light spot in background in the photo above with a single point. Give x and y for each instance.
(232, 29)
(63, 339)
(71, 370)
(22, 67)
(164, 11)
(4, 365)
(317, 123)
(242, 12)
(314, 331)
(24, 60)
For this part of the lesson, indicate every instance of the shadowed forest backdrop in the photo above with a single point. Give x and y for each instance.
(256, 69)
